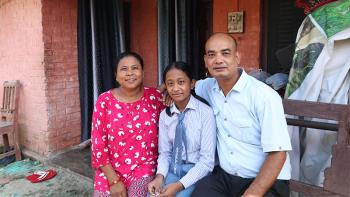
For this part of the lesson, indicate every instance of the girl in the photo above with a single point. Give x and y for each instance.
(187, 137)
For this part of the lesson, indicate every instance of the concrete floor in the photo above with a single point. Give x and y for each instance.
(74, 176)
(77, 160)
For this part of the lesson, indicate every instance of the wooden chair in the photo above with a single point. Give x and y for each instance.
(337, 176)
(8, 122)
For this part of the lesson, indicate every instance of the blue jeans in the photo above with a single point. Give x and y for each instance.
(172, 178)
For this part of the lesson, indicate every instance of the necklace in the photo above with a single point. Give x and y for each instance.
(127, 99)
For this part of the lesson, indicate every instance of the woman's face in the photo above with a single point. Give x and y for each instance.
(129, 73)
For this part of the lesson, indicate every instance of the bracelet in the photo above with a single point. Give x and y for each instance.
(114, 182)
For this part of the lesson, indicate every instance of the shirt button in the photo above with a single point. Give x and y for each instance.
(225, 119)
(228, 135)
(225, 101)
(280, 148)
(231, 153)
(235, 174)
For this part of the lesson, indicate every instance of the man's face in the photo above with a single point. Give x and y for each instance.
(221, 58)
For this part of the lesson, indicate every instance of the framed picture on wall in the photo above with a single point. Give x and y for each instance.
(235, 22)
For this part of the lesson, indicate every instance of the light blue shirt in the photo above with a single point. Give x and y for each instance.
(200, 126)
(250, 122)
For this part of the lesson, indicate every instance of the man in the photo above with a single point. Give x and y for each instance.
(252, 131)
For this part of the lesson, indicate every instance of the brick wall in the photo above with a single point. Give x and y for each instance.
(249, 41)
(61, 70)
(21, 57)
(144, 19)
(38, 46)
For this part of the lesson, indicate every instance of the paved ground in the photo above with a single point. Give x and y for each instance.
(77, 160)
(66, 183)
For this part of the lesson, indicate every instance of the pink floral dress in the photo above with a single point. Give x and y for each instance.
(125, 135)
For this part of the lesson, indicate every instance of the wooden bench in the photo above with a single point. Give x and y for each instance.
(337, 176)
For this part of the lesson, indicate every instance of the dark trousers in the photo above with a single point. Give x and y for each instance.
(220, 183)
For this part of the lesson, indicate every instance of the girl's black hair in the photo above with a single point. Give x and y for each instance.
(184, 67)
(127, 54)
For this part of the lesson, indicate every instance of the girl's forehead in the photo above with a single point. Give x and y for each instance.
(176, 73)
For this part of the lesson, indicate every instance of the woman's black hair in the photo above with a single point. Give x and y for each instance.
(127, 54)
(184, 67)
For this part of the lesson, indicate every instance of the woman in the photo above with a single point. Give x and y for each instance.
(124, 132)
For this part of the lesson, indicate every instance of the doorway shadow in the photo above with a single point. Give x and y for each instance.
(77, 160)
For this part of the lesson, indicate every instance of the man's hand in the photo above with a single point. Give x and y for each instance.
(154, 186)
(171, 190)
(118, 190)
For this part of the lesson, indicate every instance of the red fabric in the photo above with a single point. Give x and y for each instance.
(40, 176)
(125, 135)
(311, 5)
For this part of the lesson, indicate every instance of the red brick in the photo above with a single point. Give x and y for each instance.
(56, 85)
(72, 84)
(72, 109)
(74, 116)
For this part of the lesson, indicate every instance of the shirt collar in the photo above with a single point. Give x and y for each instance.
(190, 105)
(240, 84)
(242, 81)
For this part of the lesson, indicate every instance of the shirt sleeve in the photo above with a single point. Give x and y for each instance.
(274, 130)
(164, 147)
(99, 150)
(201, 88)
(207, 151)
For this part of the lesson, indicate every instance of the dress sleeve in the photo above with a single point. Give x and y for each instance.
(99, 150)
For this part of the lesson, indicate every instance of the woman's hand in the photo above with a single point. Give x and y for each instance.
(118, 190)
(166, 100)
(171, 190)
(161, 88)
(154, 186)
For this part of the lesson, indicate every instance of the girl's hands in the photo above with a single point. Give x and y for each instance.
(154, 186)
(171, 190)
(118, 190)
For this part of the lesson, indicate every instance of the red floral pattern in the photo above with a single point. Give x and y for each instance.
(125, 135)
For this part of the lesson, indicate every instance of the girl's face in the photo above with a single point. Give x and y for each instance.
(129, 73)
(178, 85)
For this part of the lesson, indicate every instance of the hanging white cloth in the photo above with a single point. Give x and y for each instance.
(328, 81)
